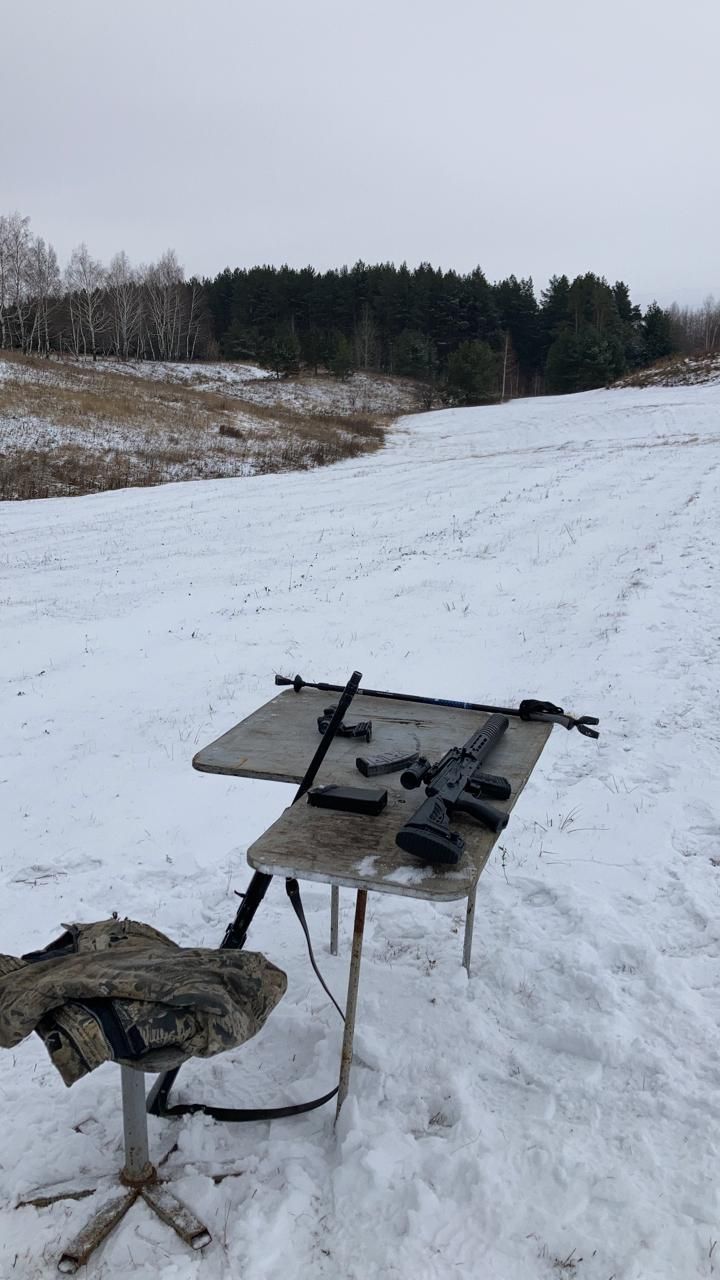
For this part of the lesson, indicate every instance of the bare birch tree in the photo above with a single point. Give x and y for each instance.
(16, 241)
(43, 284)
(163, 283)
(195, 316)
(84, 279)
(124, 296)
(696, 330)
(4, 283)
(365, 339)
(127, 311)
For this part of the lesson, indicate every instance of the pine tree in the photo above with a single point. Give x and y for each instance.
(281, 354)
(312, 348)
(520, 318)
(472, 374)
(340, 362)
(414, 355)
(657, 333)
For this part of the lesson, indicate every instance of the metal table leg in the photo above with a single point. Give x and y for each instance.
(351, 1005)
(334, 918)
(469, 924)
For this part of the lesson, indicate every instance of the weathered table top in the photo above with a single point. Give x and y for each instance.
(278, 741)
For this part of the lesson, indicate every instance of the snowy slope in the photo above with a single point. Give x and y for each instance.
(676, 371)
(558, 1114)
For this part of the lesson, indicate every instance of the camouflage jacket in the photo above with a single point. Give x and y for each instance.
(120, 991)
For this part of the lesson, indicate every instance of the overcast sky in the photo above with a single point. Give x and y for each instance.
(526, 136)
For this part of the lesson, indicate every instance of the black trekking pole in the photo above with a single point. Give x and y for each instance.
(529, 709)
(236, 934)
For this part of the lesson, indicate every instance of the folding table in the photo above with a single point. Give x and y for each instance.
(277, 741)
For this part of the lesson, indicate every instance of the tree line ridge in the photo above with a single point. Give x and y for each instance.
(468, 340)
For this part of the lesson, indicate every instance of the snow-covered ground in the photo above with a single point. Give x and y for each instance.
(220, 376)
(555, 1116)
(362, 393)
(58, 371)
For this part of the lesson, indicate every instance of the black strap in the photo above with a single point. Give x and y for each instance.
(127, 1043)
(157, 1102)
(292, 888)
(236, 1115)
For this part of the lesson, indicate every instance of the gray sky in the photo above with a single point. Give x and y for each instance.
(526, 136)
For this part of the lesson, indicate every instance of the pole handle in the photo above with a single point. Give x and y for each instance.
(297, 683)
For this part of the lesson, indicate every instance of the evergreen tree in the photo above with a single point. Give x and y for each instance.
(281, 354)
(239, 343)
(630, 317)
(414, 355)
(414, 321)
(519, 316)
(554, 313)
(581, 361)
(472, 374)
(563, 363)
(313, 348)
(340, 362)
(657, 333)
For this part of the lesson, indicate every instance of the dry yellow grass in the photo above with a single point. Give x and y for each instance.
(111, 430)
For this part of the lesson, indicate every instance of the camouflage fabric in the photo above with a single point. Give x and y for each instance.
(119, 990)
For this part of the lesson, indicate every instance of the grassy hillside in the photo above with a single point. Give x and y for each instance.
(74, 427)
(676, 371)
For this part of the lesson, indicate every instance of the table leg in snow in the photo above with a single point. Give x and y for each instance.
(334, 918)
(351, 1005)
(469, 926)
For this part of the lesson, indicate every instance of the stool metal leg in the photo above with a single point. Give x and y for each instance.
(334, 918)
(176, 1215)
(141, 1183)
(351, 1005)
(95, 1231)
(469, 925)
(137, 1155)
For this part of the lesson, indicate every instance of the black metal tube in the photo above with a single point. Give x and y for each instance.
(348, 693)
(529, 709)
(298, 683)
(236, 933)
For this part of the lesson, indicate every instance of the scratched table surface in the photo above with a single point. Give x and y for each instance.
(278, 741)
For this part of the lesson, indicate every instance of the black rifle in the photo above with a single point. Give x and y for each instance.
(454, 785)
(529, 709)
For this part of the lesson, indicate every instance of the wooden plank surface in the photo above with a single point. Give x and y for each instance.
(278, 741)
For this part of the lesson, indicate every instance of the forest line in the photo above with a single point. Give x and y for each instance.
(469, 340)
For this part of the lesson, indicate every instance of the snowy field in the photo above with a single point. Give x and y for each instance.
(558, 1114)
